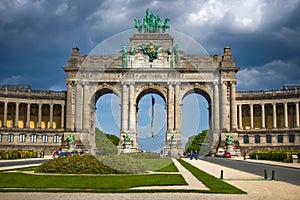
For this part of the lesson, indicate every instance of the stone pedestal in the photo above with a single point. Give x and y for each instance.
(173, 150)
(71, 148)
(229, 149)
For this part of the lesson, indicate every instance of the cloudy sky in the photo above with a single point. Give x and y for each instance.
(36, 36)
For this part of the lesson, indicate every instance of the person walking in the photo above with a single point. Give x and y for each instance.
(196, 155)
(191, 155)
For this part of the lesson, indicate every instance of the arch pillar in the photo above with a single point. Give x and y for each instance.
(216, 117)
(233, 113)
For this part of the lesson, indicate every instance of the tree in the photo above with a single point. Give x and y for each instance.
(195, 142)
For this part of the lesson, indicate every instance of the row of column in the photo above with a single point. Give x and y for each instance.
(274, 115)
(27, 125)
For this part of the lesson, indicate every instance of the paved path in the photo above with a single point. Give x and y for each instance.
(192, 181)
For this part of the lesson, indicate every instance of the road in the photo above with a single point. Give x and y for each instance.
(285, 174)
(17, 163)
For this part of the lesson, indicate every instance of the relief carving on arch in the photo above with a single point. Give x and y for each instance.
(71, 75)
(228, 74)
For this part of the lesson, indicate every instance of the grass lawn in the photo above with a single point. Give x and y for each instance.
(214, 184)
(21, 182)
(160, 165)
(103, 182)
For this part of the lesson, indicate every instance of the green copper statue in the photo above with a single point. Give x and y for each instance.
(124, 57)
(126, 138)
(173, 139)
(151, 50)
(71, 139)
(152, 23)
(229, 139)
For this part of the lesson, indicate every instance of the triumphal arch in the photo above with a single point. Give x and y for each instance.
(151, 63)
(150, 59)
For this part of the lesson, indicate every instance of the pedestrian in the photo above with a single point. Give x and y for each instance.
(196, 154)
(191, 155)
(42, 153)
(244, 154)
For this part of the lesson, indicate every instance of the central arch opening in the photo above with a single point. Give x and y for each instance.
(107, 121)
(151, 121)
(196, 120)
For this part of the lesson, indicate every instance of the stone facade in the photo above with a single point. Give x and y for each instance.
(130, 75)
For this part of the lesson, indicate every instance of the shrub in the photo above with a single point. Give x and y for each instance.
(17, 154)
(86, 164)
(283, 156)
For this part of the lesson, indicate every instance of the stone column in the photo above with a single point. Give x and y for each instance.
(274, 116)
(132, 108)
(124, 107)
(28, 116)
(240, 116)
(62, 119)
(5, 114)
(86, 107)
(78, 107)
(297, 114)
(233, 118)
(69, 110)
(177, 108)
(51, 115)
(216, 117)
(224, 124)
(170, 107)
(263, 121)
(286, 124)
(40, 115)
(251, 117)
(17, 115)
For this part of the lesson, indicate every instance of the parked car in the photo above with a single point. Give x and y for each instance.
(220, 152)
(227, 155)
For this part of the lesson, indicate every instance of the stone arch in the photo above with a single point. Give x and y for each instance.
(201, 89)
(105, 89)
(150, 88)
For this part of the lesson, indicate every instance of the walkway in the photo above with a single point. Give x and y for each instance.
(192, 181)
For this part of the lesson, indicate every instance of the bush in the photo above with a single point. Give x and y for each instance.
(17, 154)
(86, 164)
(283, 156)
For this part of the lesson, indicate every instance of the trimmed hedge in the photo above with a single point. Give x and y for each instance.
(282, 156)
(17, 154)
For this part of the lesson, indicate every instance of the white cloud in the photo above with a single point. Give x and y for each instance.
(271, 75)
(14, 80)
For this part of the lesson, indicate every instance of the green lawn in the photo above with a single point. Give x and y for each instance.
(214, 184)
(160, 165)
(103, 182)
(14, 181)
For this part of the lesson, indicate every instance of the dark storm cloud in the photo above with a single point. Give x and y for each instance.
(36, 36)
